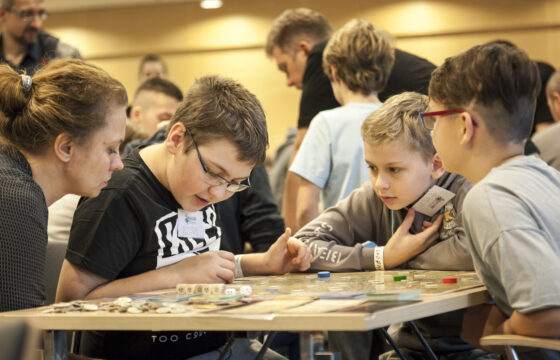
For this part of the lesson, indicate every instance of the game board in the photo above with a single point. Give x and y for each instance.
(291, 293)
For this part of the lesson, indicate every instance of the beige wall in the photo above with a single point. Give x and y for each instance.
(230, 41)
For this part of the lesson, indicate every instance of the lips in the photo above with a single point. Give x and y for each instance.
(387, 199)
(201, 201)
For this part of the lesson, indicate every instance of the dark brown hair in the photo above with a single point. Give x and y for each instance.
(220, 108)
(361, 55)
(66, 96)
(160, 85)
(499, 81)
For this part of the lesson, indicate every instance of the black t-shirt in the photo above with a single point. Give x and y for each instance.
(316, 93)
(410, 73)
(130, 228)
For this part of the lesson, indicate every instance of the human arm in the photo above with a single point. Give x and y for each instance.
(289, 200)
(487, 319)
(516, 256)
(307, 202)
(23, 239)
(76, 282)
(285, 255)
(335, 237)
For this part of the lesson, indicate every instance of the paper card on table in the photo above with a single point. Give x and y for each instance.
(393, 295)
(322, 306)
(267, 306)
(433, 200)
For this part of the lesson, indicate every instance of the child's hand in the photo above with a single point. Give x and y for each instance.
(403, 246)
(287, 254)
(209, 267)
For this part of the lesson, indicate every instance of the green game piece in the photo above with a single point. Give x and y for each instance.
(398, 278)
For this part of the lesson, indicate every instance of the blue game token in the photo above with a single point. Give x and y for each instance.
(324, 274)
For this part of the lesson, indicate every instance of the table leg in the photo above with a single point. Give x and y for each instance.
(393, 344)
(306, 345)
(510, 352)
(56, 344)
(422, 340)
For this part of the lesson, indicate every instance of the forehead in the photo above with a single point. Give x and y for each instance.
(390, 152)
(115, 125)
(152, 66)
(27, 4)
(281, 56)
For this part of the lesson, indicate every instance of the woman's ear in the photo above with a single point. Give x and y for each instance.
(175, 138)
(437, 167)
(64, 147)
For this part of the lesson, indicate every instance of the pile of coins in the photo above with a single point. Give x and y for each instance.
(122, 305)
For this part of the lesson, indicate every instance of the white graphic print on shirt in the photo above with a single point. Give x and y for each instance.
(174, 248)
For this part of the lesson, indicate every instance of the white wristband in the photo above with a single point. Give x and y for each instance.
(238, 269)
(378, 258)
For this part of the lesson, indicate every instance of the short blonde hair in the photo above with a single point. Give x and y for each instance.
(361, 55)
(400, 117)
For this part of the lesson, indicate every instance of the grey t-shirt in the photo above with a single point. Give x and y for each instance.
(548, 145)
(512, 220)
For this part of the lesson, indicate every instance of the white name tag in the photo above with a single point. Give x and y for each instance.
(190, 224)
(433, 200)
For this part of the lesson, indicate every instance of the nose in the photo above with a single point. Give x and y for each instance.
(289, 81)
(218, 192)
(381, 182)
(36, 22)
(116, 164)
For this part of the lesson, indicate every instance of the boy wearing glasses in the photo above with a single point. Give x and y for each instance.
(23, 44)
(511, 215)
(146, 232)
(403, 167)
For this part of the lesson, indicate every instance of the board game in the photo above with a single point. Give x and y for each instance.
(292, 293)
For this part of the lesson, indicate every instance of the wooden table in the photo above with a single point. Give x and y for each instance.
(335, 321)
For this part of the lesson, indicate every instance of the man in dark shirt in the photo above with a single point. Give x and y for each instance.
(23, 44)
(296, 41)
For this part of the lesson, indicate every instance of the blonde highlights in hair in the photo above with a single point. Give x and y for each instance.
(399, 118)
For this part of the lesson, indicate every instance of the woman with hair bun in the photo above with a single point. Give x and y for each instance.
(60, 132)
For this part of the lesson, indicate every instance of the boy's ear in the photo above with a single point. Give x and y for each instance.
(64, 147)
(467, 129)
(175, 138)
(135, 112)
(333, 74)
(556, 98)
(437, 167)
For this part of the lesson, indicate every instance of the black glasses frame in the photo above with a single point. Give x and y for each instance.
(215, 179)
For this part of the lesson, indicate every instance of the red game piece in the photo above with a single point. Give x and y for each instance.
(449, 280)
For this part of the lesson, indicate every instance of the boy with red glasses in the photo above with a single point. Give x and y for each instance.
(512, 225)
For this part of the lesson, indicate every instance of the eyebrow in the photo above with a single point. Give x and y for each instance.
(387, 165)
(223, 172)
